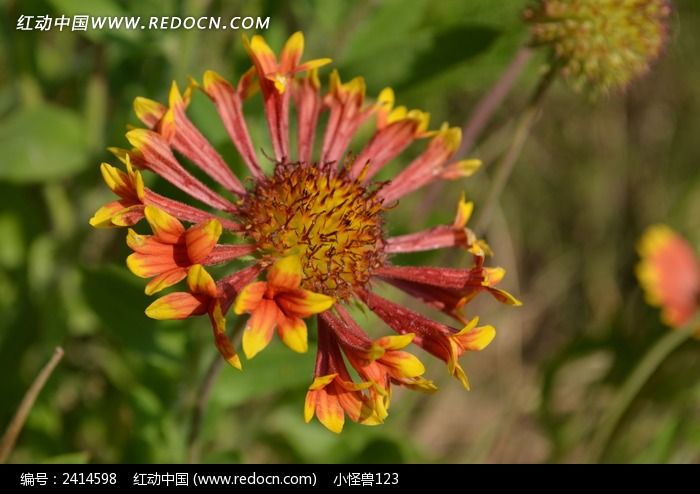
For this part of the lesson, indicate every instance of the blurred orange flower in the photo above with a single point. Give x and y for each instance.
(669, 272)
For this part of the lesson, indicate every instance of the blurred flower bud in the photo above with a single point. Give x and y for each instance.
(600, 45)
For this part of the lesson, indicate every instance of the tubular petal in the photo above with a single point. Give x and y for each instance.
(229, 105)
(158, 157)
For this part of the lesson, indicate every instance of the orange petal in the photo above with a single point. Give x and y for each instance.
(149, 111)
(164, 280)
(457, 371)
(201, 239)
(260, 52)
(474, 339)
(201, 282)
(354, 89)
(211, 79)
(128, 216)
(420, 119)
(248, 84)
(285, 273)
(115, 179)
(178, 305)
(405, 364)
(420, 384)
(310, 405)
(249, 297)
(147, 266)
(329, 412)
(103, 216)
(493, 276)
(384, 106)
(449, 138)
(148, 244)
(139, 138)
(116, 214)
(176, 98)
(358, 407)
(258, 332)
(504, 297)
(167, 228)
(291, 53)
(312, 64)
(460, 169)
(167, 126)
(353, 386)
(136, 180)
(221, 339)
(293, 332)
(395, 342)
(380, 401)
(322, 381)
(303, 303)
(464, 212)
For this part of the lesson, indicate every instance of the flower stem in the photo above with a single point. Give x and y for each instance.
(635, 382)
(481, 116)
(10, 437)
(510, 158)
(492, 100)
(203, 393)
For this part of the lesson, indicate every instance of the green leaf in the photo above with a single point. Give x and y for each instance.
(450, 48)
(12, 250)
(117, 298)
(42, 144)
(377, 49)
(273, 370)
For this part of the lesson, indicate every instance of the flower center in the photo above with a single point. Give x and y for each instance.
(332, 222)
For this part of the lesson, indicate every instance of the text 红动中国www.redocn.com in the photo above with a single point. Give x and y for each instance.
(153, 23)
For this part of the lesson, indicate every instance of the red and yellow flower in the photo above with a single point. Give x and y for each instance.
(314, 229)
(669, 272)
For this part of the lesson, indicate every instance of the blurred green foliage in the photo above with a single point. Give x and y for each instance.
(592, 175)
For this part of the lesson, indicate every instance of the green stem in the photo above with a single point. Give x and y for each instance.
(635, 382)
(203, 393)
(507, 163)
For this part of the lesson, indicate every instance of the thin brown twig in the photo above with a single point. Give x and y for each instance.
(25, 407)
(507, 163)
(203, 394)
(484, 110)
(492, 100)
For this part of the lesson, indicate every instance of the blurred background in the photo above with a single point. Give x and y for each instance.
(592, 175)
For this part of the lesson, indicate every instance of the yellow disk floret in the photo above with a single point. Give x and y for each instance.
(331, 222)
